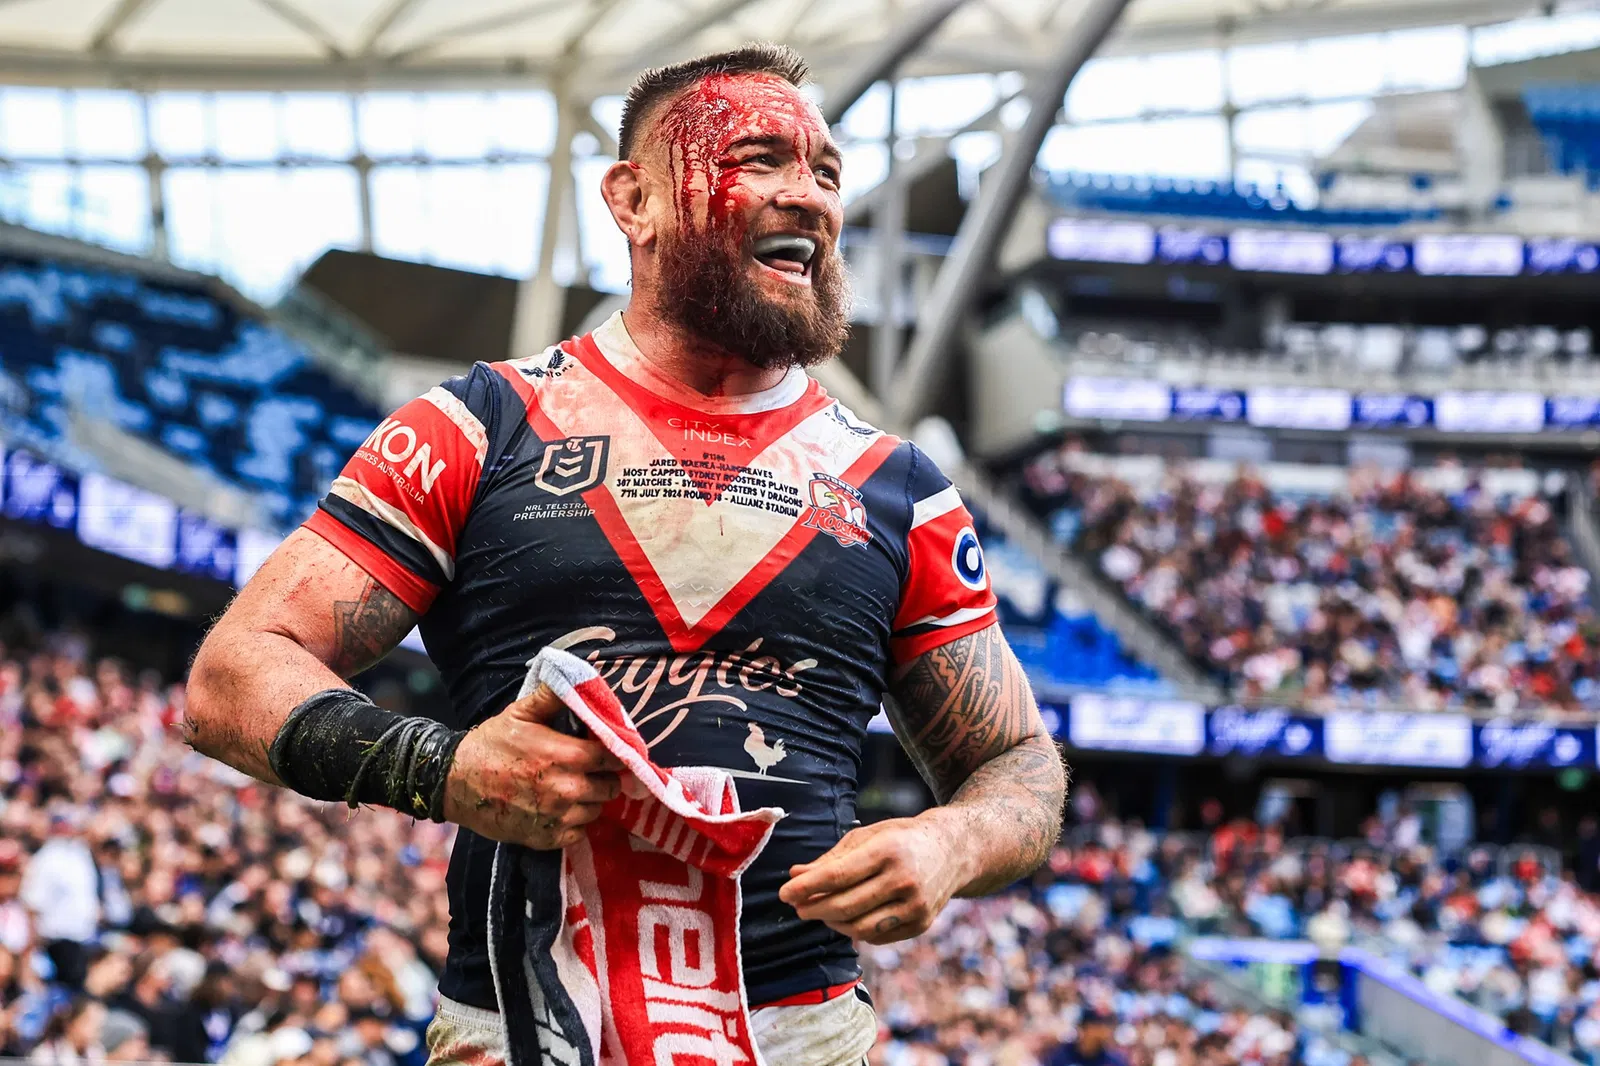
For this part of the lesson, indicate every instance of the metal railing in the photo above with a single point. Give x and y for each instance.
(134, 459)
(1242, 368)
(1583, 527)
(1235, 990)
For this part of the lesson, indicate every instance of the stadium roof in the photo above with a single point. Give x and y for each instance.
(597, 44)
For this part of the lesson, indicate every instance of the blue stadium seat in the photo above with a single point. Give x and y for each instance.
(1568, 117)
(178, 366)
(1054, 642)
(1247, 202)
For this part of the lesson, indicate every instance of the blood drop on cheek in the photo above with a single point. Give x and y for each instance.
(704, 121)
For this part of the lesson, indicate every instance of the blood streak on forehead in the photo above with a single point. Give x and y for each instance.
(718, 110)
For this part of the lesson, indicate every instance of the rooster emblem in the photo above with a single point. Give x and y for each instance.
(766, 755)
(837, 510)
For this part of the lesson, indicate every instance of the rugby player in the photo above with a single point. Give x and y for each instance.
(751, 568)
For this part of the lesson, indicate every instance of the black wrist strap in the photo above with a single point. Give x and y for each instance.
(339, 745)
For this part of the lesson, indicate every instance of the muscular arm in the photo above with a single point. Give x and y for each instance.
(967, 717)
(308, 620)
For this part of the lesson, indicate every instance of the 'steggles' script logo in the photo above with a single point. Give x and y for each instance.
(1234, 729)
(1508, 742)
(690, 680)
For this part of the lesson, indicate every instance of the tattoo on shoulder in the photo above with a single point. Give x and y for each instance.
(960, 705)
(367, 628)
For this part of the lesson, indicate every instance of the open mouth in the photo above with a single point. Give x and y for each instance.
(788, 254)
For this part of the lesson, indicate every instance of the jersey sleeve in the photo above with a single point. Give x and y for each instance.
(946, 594)
(402, 499)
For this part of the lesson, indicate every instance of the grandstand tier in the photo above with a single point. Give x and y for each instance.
(1273, 394)
(181, 363)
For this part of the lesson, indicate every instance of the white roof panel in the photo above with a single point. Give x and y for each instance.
(52, 24)
(601, 43)
(218, 28)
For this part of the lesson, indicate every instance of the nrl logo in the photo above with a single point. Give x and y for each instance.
(836, 509)
(572, 465)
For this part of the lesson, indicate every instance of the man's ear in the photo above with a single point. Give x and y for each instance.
(626, 189)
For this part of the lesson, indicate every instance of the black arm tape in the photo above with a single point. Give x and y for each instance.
(338, 745)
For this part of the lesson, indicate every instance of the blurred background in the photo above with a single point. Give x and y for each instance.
(1260, 336)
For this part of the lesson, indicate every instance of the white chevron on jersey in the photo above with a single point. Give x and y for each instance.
(699, 551)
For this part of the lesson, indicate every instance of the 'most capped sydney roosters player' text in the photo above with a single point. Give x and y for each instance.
(752, 569)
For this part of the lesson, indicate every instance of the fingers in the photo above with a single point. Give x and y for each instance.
(881, 883)
(572, 755)
(580, 754)
(545, 840)
(831, 873)
(571, 788)
(552, 831)
(886, 925)
(540, 705)
(855, 838)
(893, 921)
(592, 757)
(574, 817)
(853, 903)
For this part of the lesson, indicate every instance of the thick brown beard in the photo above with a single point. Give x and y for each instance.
(707, 289)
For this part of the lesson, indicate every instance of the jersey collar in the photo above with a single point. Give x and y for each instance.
(617, 347)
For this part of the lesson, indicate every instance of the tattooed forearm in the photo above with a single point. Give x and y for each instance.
(367, 628)
(1015, 797)
(967, 717)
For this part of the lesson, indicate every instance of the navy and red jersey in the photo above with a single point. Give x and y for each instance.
(745, 572)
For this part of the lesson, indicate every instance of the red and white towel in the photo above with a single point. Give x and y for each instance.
(624, 947)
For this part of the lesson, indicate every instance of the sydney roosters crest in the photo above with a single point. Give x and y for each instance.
(572, 465)
(836, 510)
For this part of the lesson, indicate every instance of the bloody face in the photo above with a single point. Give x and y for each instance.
(749, 259)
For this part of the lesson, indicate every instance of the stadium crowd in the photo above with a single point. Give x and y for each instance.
(1077, 967)
(1510, 932)
(1386, 593)
(155, 905)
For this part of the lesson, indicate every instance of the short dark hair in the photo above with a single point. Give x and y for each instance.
(661, 83)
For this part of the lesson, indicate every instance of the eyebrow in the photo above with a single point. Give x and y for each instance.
(773, 140)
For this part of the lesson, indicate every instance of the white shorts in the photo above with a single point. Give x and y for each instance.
(839, 1032)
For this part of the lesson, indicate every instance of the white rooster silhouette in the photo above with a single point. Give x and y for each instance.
(766, 756)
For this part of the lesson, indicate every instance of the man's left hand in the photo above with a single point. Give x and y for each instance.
(883, 882)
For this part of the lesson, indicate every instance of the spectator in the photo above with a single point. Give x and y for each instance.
(146, 998)
(1388, 591)
(264, 930)
(125, 1038)
(73, 1035)
(213, 912)
(62, 888)
(16, 921)
(1091, 1046)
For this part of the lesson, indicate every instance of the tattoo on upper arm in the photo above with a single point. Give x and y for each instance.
(367, 628)
(960, 705)
(966, 716)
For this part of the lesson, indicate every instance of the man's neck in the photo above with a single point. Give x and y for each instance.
(703, 367)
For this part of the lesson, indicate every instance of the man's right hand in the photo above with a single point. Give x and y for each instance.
(516, 780)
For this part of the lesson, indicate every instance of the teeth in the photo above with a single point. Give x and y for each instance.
(802, 247)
